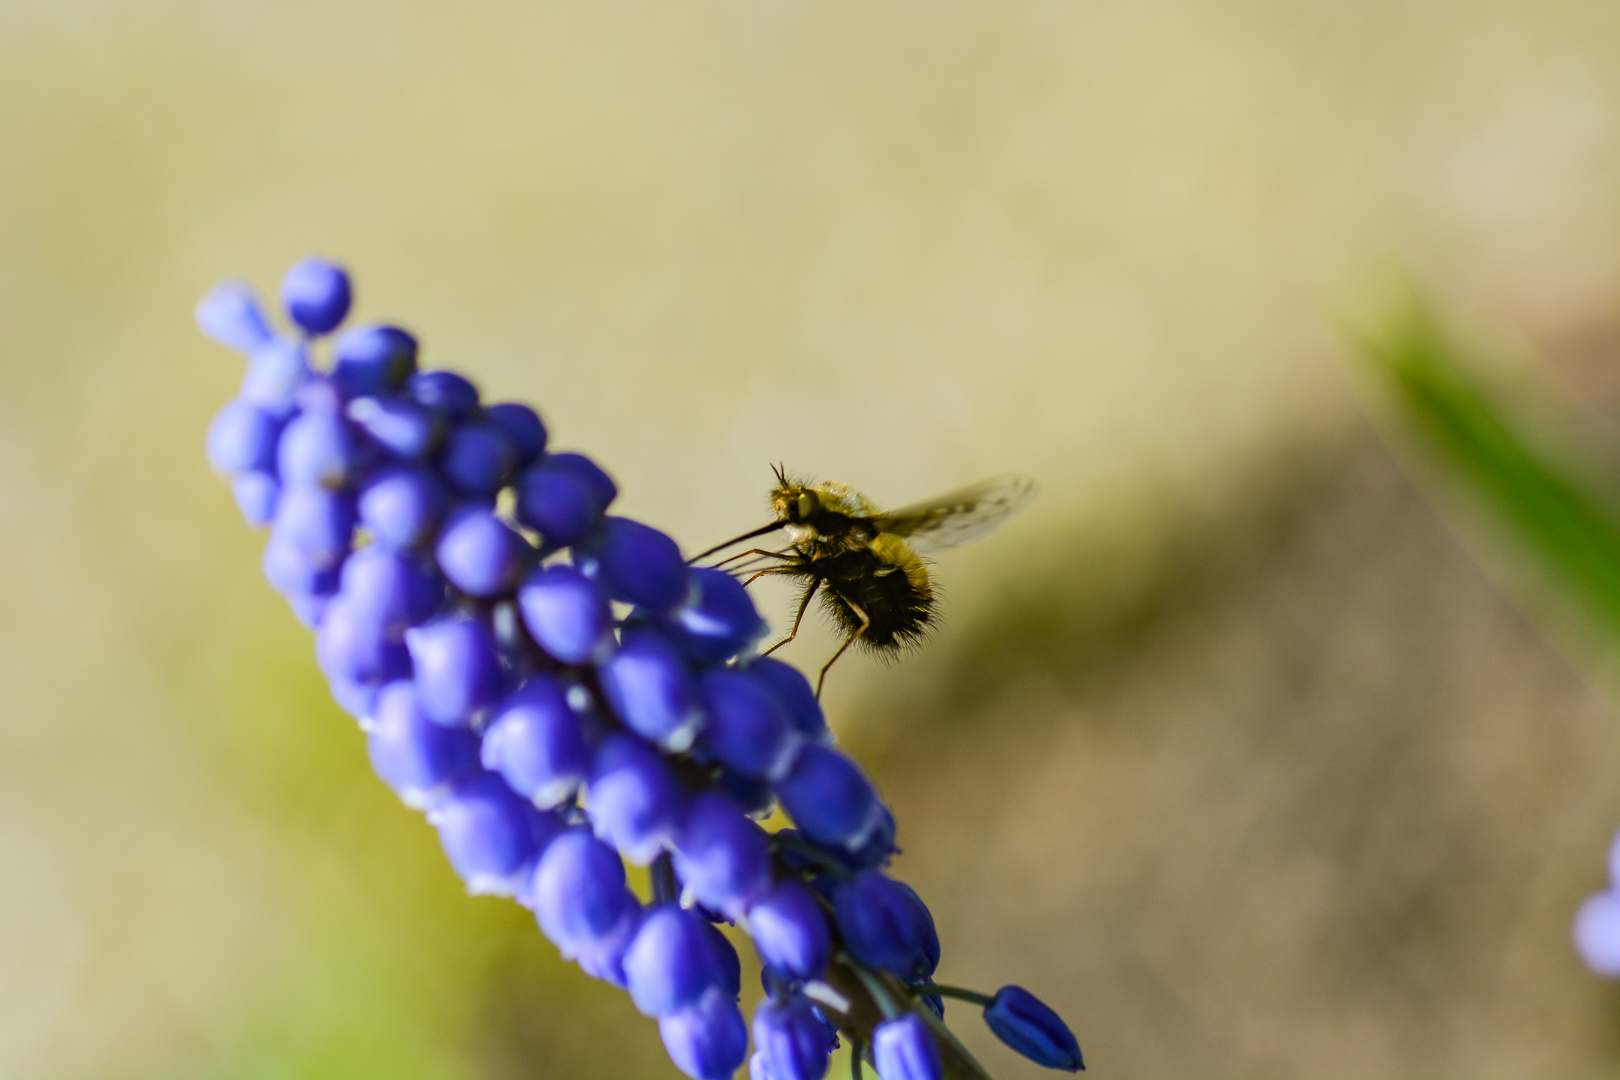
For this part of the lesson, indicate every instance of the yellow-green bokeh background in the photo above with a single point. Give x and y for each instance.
(1226, 748)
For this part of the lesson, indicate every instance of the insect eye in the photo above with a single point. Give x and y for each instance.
(807, 504)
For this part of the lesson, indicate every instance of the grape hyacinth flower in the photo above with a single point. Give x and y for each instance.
(461, 578)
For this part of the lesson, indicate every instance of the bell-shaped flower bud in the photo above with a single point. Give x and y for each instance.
(718, 620)
(242, 438)
(256, 493)
(904, 1049)
(634, 799)
(671, 963)
(831, 801)
(563, 497)
(882, 923)
(790, 931)
(444, 392)
(231, 315)
(707, 1041)
(477, 459)
(298, 576)
(638, 565)
(725, 955)
(275, 372)
(648, 686)
(353, 643)
(567, 613)
(319, 448)
(458, 673)
(794, 692)
(536, 744)
(316, 295)
(410, 753)
(1024, 1023)
(604, 958)
(748, 730)
(397, 591)
(721, 857)
(400, 507)
(316, 521)
(578, 891)
(491, 836)
(399, 426)
(792, 1038)
(522, 427)
(372, 360)
(481, 554)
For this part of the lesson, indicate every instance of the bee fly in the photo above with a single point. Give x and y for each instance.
(863, 561)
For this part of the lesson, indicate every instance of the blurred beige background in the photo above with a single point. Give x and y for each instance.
(1226, 747)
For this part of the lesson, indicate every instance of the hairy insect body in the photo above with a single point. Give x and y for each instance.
(884, 580)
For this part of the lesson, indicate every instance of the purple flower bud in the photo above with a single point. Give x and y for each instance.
(708, 1041)
(639, 565)
(579, 893)
(1020, 1020)
(256, 494)
(748, 731)
(648, 687)
(522, 427)
(480, 553)
(792, 1038)
(458, 674)
(755, 798)
(372, 360)
(317, 522)
(604, 958)
(491, 836)
(275, 372)
(316, 294)
(877, 849)
(926, 959)
(727, 962)
(319, 448)
(242, 437)
(723, 858)
(231, 315)
(536, 744)
(718, 620)
(563, 498)
(567, 613)
(478, 456)
(444, 392)
(880, 923)
(402, 428)
(671, 963)
(634, 799)
(354, 698)
(904, 1049)
(1597, 933)
(794, 692)
(410, 753)
(294, 573)
(354, 644)
(830, 800)
(396, 590)
(400, 507)
(790, 931)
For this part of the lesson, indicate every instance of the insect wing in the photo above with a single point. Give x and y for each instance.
(960, 516)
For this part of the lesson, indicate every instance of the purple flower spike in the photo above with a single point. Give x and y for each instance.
(567, 613)
(578, 893)
(535, 743)
(647, 684)
(831, 801)
(634, 800)
(671, 963)
(708, 1041)
(790, 931)
(1024, 1023)
(748, 731)
(792, 1039)
(458, 674)
(904, 1049)
(489, 835)
(723, 858)
(414, 756)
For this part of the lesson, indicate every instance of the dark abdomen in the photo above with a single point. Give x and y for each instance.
(895, 594)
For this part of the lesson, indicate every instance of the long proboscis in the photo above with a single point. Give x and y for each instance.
(761, 531)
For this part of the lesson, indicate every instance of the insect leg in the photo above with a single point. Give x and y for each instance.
(865, 622)
(815, 583)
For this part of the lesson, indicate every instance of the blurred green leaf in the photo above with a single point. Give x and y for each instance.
(1571, 530)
